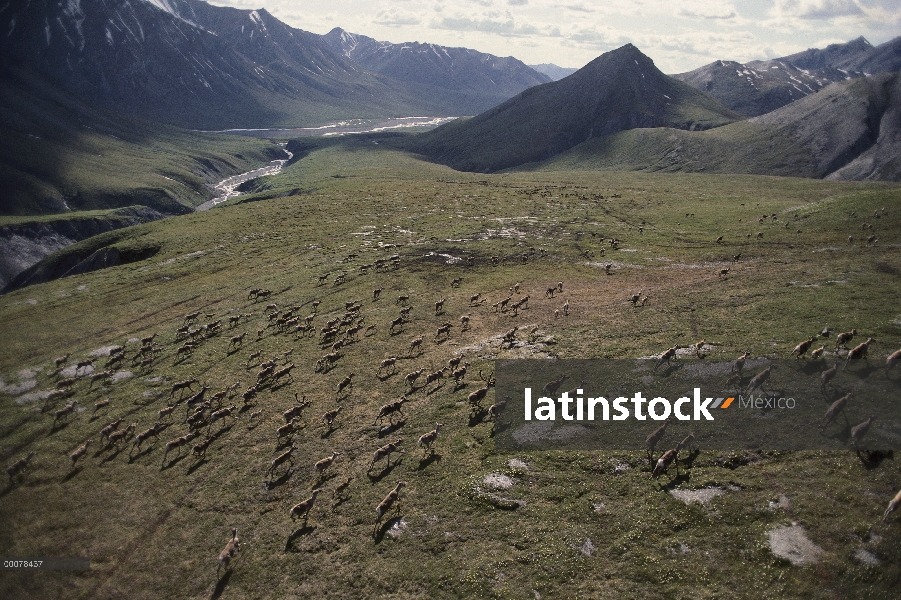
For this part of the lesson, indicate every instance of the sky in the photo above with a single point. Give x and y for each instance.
(678, 35)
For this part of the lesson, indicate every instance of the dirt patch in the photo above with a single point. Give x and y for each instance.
(707, 266)
(442, 258)
(615, 265)
(488, 349)
(691, 352)
(619, 466)
(496, 500)
(397, 529)
(104, 351)
(120, 375)
(17, 389)
(867, 558)
(782, 502)
(702, 496)
(33, 397)
(498, 481)
(73, 371)
(169, 261)
(792, 544)
(587, 548)
(515, 463)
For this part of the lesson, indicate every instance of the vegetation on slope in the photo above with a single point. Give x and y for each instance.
(585, 523)
(619, 90)
(59, 154)
(847, 131)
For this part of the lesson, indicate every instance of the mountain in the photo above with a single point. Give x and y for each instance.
(885, 58)
(478, 80)
(194, 65)
(161, 60)
(59, 153)
(847, 56)
(850, 130)
(619, 90)
(553, 71)
(758, 87)
(753, 91)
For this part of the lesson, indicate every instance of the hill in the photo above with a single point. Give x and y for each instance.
(758, 87)
(849, 130)
(472, 520)
(619, 90)
(71, 170)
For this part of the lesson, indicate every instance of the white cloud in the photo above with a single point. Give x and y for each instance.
(505, 26)
(694, 14)
(576, 7)
(864, 12)
(396, 18)
(818, 9)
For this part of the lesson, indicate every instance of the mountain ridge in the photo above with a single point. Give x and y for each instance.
(607, 95)
(190, 64)
(761, 86)
(850, 130)
(489, 78)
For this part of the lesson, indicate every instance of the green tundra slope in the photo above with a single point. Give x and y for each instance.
(847, 131)
(471, 521)
(59, 154)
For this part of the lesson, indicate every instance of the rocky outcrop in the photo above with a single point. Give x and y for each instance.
(24, 245)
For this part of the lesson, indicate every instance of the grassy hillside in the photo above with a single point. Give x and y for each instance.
(744, 147)
(846, 131)
(619, 90)
(584, 524)
(58, 154)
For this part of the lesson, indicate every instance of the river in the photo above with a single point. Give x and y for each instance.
(348, 127)
(228, 188)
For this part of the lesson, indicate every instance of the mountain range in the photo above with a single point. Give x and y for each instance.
(621, 112)
(758, 87)
(76, 68)
(553, 71)
(480, 80)
(194, 65)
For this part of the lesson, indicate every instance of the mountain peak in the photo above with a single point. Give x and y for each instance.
(619, 90)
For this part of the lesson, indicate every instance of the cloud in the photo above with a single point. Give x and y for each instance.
(818, 9)
(396, 18)
(701, 15)
(490, 23)
(834, 18)
(591, 37)
(517, 2)
(575, 7)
